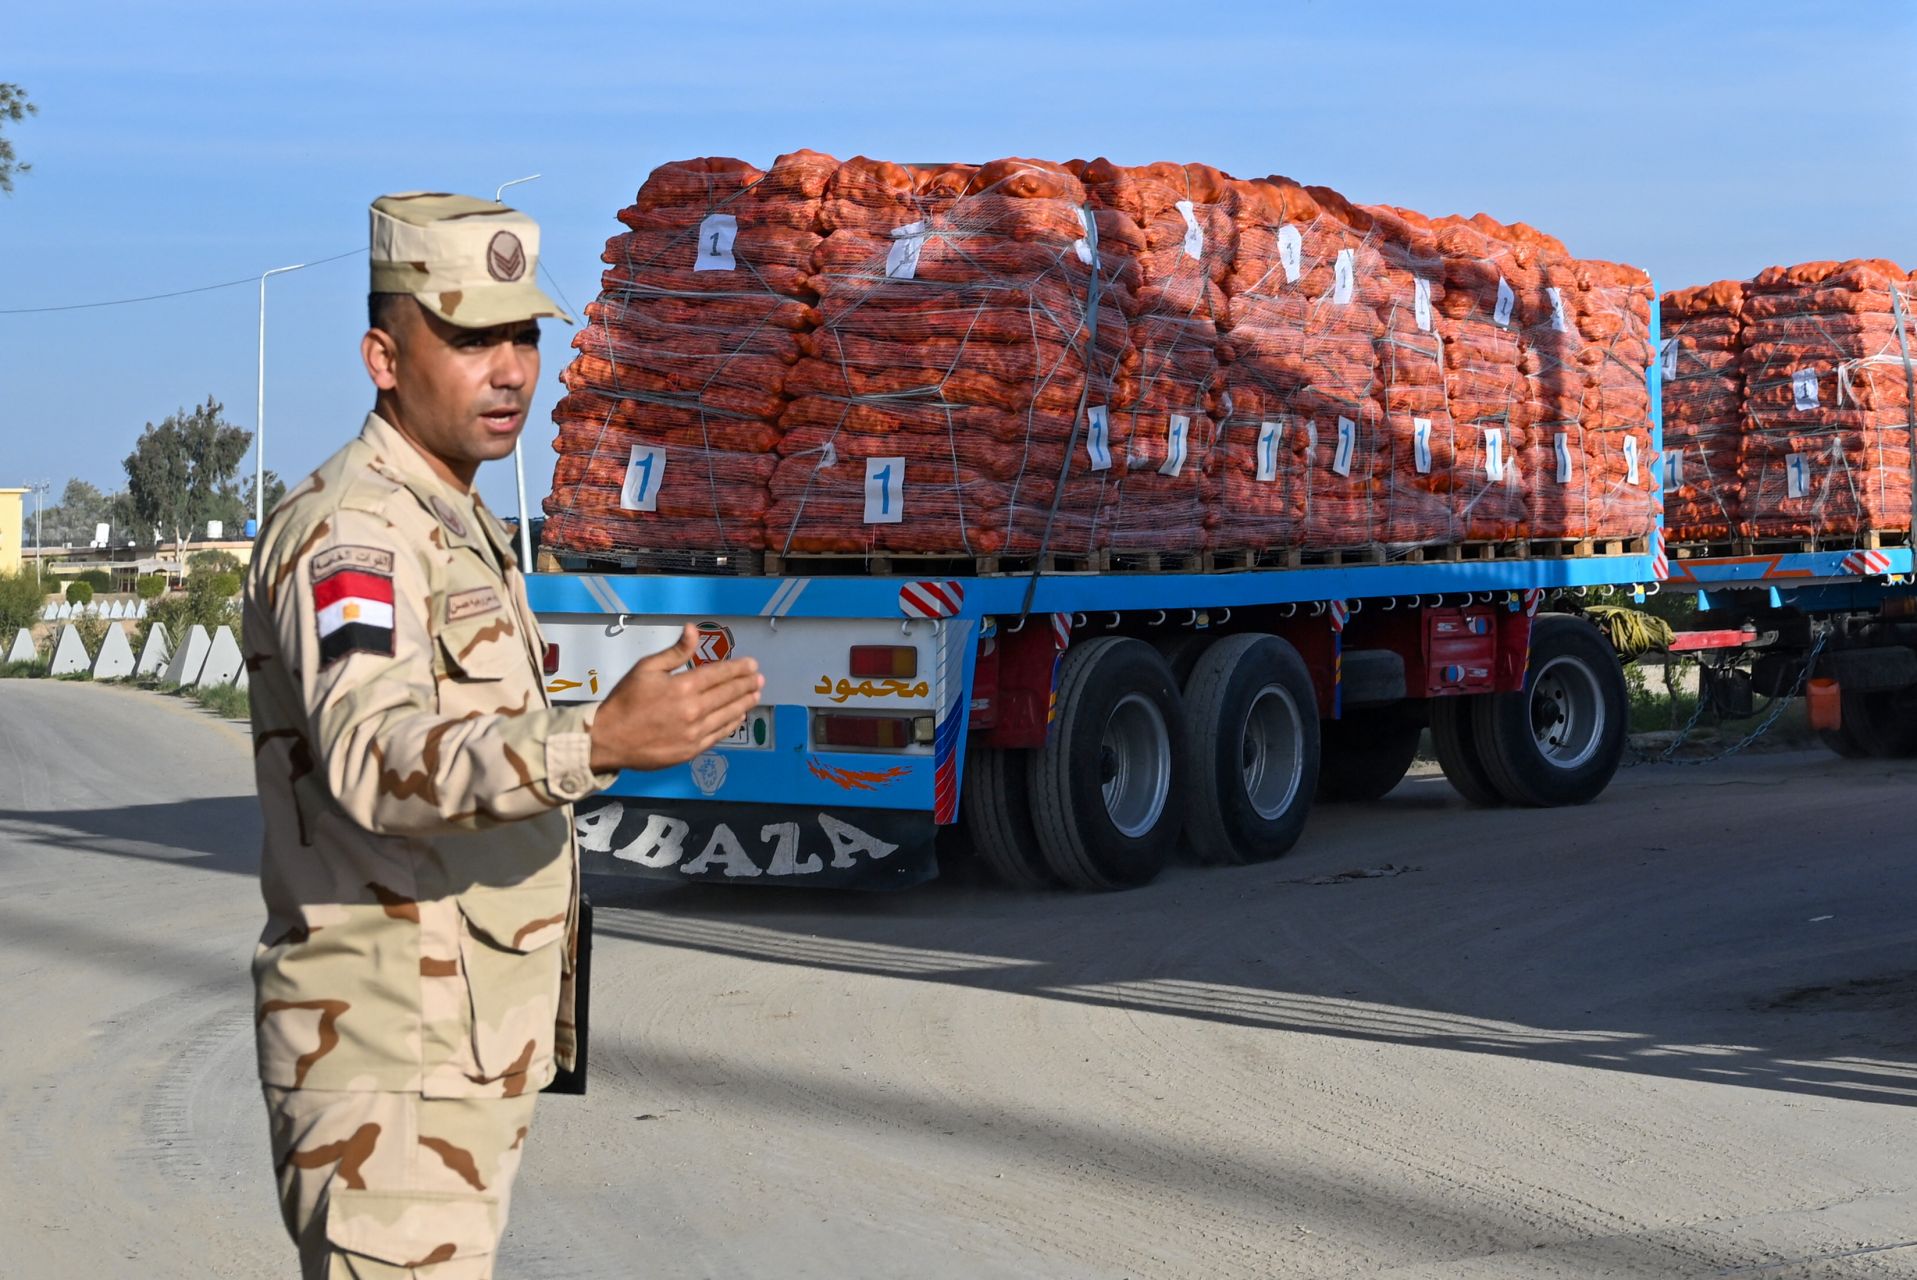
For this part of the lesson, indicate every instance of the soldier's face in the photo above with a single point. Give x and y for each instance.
(460, 395)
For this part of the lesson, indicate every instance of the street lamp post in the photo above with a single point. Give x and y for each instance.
(40, 488)
(259, 412)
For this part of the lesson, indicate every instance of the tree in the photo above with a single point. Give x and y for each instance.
(71, 521)
(180, 473)
(79, 593)
(14, 108)
(275, 490)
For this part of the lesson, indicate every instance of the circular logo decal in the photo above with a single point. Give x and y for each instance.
(506, 257)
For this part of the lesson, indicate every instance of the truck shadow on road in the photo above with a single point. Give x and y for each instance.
(1678, 949)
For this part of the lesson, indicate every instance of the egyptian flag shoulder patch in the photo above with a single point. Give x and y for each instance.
(353, 598)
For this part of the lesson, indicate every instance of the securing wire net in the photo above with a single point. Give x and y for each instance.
(1027, 359)
(1827, 394)
(669, 431)
(1700, 361)
(967, 321)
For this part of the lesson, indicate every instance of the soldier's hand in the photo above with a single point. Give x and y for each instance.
(657, 716)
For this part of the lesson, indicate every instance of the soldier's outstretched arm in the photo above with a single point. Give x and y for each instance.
(350, 610)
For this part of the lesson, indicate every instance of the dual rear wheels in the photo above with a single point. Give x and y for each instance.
(1225, 760)
(1216, 747)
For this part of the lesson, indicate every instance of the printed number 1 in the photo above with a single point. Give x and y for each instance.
(643, 468)
(882, 476)
(715, 244)
(885, 491)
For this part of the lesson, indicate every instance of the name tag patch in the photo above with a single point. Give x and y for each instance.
(472, 604)
(353, 601)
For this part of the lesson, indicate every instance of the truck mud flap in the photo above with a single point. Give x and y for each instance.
(755, 843)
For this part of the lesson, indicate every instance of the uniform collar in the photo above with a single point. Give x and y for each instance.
(463, 516)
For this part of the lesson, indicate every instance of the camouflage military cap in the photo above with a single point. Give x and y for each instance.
(470, 262)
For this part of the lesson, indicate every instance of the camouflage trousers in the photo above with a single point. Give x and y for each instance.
(377, 1186)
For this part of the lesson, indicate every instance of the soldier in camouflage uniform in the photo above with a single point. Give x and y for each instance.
(421, 881)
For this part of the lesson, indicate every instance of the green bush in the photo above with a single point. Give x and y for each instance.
(22, 600)
(92, 628)
(150, 586)
(213, 562)
(79, 594)
(33, 670)
(207, 601)
(99, 579)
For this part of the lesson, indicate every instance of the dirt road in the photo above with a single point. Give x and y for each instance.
(1674, 1034)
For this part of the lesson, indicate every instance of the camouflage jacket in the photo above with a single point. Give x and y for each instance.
(419, 870)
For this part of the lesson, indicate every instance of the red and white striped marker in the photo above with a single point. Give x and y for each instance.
(1865, 563)
(931, 599)
(1340, 614)
(1660, 562)
(1062, 630)
(1533, 599)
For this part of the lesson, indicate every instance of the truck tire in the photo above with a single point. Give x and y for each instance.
(1560, 739)
(1881, 724)
(1104, 787)
(996, 804)
(1251, 719)
(1181, 653)
(1456, 743)
(1367, 752)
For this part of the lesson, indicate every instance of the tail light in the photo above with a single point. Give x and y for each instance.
(883, 661)
(551, 663)
(871, 733)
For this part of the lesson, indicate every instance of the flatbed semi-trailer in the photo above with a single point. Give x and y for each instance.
(1078, 729)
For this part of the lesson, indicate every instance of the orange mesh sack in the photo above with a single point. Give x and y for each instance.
(1703, 411)
(668, 432)
(1300, 371)
(974, 324)
(1827, 372)
(1183, 214)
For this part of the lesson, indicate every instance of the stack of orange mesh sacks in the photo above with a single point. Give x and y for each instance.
(1167, 415)
(967, 324)
(668, 429)
(1303, 451)
(1826, 448)
(1587, 350)
(1700, 363)
(1025, 357)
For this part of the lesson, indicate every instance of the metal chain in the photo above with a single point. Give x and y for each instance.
(1778, 707)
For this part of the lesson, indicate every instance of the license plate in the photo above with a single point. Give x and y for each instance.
(755, 731)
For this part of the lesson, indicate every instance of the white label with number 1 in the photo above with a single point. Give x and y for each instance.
(1347, 444)
(716, 236)
(1501, 314)
(1269, 434)
(1177, 444)
(1098, 437)
(884, 490)
(645, 475)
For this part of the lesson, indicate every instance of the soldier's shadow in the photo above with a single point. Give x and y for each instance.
(220, 833)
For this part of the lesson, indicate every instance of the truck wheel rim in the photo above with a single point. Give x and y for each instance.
(1274, 752)
(1135, 765)
(1567, 713)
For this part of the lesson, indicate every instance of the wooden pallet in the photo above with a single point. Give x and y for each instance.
(705, 563)
(887, 564)
(1157, 562)
(1242, 559)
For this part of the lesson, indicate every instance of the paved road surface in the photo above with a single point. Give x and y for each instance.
(1674, 1034)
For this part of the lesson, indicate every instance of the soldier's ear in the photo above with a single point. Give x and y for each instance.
(381, 356)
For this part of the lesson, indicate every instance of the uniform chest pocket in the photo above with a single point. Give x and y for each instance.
(483, 646)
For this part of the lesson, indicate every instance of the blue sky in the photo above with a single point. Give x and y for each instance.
(183, 144)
